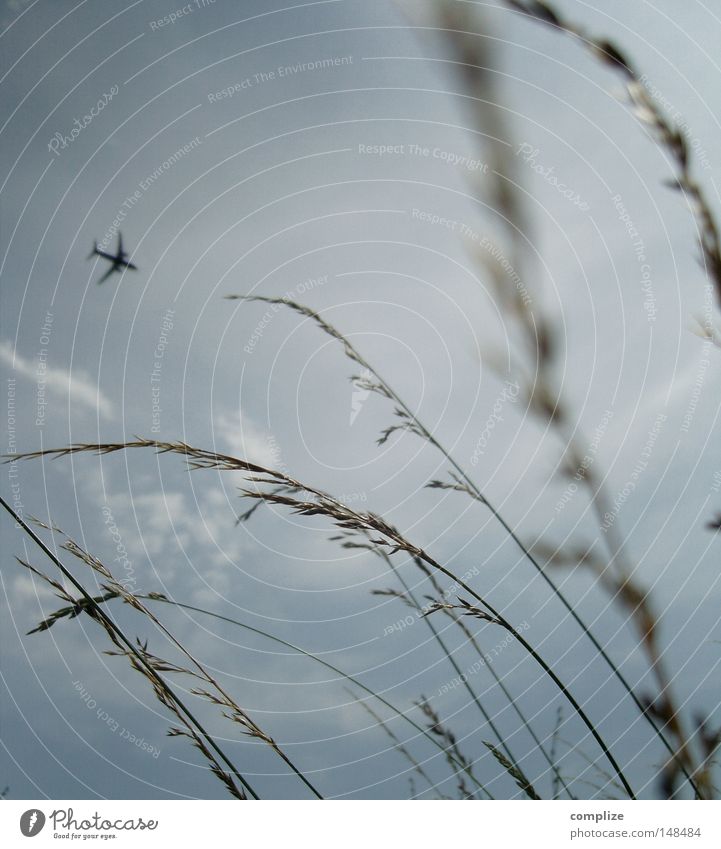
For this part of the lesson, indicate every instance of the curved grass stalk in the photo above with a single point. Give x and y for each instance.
(343, 517)
(670, 138)
(669, 134)
(504, 745)
(399, 713)
(79, 605)
(496, 618)
(400, 748)
(221, 697)
(167, 696)
(411, 422)
(451, 748)
(557, 778)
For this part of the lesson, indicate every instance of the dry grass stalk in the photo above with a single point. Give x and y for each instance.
(380, 533)
(398, 745)
(554, 752)
(604, 775)
(80, 605)
(217, 695)
(408, 598)
(668, 135)
(518, 777)
(468, 634)
(140, 660)
(542, 399)
(453, 752)
(671, 139)
(467, 608)
(538, 334)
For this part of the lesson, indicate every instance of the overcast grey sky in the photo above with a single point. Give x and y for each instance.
(233, 163)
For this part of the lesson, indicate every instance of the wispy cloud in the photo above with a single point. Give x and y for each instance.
(240, 436)
(76, 386)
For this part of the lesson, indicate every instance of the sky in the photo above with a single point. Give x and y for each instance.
(333, 152)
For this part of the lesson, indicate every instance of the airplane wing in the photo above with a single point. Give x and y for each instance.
(106, 275)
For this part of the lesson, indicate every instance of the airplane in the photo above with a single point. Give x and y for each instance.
(119, 261)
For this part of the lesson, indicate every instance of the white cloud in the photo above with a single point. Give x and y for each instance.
(76, 386)
(241, 437)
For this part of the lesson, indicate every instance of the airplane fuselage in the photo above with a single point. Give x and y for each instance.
(118, 261)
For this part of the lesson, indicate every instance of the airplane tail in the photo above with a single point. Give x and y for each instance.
(94, 251)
